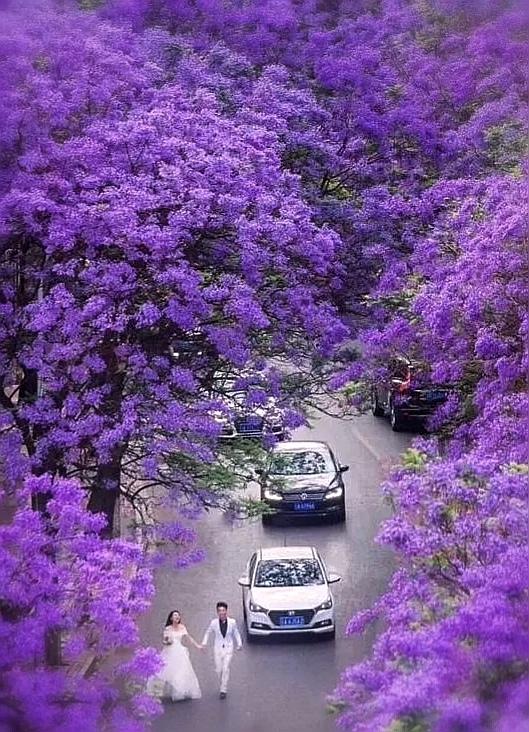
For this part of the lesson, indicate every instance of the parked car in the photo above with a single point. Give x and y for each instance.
(405, 395)
(193, 349)
(286, 590)
(241, 417)
(303, 479)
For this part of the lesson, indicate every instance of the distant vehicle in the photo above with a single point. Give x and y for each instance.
(404, 396)
(286, 590)
(190, 348)
(303, 479)
(242, 417)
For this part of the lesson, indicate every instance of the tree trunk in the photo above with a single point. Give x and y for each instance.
(105, 490)
(104, 493)
(53, 648)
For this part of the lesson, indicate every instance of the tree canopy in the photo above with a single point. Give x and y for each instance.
(244, 176)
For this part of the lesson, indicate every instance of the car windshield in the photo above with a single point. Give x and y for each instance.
(304, 462)
(288, 573)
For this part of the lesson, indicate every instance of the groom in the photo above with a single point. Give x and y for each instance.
(226, 634)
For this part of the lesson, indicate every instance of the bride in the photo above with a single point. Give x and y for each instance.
(177, 679)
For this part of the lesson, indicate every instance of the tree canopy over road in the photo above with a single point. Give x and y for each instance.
(265, 180)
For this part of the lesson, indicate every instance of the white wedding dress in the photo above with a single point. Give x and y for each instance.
(177, 679)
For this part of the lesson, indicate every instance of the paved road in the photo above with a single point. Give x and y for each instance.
(279, 686)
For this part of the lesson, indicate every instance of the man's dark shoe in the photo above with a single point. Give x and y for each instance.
(223, 695)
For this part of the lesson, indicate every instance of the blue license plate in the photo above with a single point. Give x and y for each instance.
(289, 620)
(433, 396)
(304, 506)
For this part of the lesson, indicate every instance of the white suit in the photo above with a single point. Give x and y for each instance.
(223, 648)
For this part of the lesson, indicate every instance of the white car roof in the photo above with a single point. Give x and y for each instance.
(288, 552)
(296, 446)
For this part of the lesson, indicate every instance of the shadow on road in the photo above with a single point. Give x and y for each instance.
(292, 639)
(284, 522)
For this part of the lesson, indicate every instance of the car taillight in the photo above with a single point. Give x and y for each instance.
(405, 385)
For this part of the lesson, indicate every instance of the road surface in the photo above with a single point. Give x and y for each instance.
(279, 686)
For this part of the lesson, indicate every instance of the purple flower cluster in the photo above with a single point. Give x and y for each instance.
(453, 292)
(57, 573)
(237, 173)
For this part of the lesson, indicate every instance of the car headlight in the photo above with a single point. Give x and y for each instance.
(220, 417)
(324, 605)
(255, 608)
(272, 495)
(334, 493)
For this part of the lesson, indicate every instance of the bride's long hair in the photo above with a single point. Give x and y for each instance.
(170, 617)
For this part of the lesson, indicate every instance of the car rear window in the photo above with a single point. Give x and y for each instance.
(288, 573)
(306, 462)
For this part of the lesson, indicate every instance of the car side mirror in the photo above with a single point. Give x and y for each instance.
(332, 577)
(244, 581)
(344, 468)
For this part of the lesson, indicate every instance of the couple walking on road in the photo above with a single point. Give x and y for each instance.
(177, 679)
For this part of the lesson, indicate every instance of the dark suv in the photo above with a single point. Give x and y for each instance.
(404, 394)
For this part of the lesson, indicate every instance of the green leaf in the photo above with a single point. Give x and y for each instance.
(414, 460)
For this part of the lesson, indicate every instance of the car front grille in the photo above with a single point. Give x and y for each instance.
(249, 425)
(276, 614)
(296, 497)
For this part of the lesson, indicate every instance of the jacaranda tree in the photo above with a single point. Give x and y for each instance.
(226, 174)
(156, 216)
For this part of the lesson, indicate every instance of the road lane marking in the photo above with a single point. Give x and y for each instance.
(379, 457)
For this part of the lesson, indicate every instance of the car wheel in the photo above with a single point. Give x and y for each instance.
(376, 409)
(396, 418)
(342, 515)
(331, 635)
(250, 638)
(267, 519)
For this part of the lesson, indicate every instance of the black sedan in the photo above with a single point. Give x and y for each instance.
(303, 479)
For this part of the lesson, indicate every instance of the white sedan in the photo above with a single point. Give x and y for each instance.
(286, 590)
